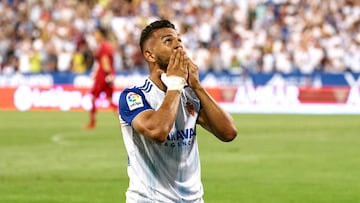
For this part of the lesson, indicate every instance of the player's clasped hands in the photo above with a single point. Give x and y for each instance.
(193, 79)
(180, 70)
(178, 64)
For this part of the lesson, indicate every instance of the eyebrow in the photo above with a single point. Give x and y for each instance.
(162, 37)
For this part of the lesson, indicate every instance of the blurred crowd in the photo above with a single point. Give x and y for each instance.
(283, 36)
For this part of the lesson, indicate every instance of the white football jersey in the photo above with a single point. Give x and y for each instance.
(161, 172)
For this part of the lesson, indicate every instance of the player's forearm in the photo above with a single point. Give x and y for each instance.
(106, 67)
(105, 64)
(219, 122)
(162, 120)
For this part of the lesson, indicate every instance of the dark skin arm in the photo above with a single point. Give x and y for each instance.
(105, 63)
(211, 117)
(156, 125)
(106, 66)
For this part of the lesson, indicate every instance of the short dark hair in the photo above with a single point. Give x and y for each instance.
(148, 30)
(103, 30)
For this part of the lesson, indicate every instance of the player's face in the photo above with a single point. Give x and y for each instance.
(97, 35)
(166, 40)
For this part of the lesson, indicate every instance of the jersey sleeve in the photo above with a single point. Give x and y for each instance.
(131, 103)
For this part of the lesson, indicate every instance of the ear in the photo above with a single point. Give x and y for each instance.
(149, 56)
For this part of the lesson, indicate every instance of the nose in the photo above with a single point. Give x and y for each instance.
(178, 44)
(178, 47)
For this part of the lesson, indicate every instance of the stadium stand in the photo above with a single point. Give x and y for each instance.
(257, 36)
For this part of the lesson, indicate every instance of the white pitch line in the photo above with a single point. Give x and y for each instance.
(59, 138)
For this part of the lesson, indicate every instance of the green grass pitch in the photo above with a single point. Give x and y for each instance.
(46, 157)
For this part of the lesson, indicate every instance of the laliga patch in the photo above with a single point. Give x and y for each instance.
(134, 101)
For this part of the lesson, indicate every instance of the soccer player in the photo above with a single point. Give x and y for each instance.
(158, 121)
(104, 73)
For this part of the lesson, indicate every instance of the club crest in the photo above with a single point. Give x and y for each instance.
(190, 108)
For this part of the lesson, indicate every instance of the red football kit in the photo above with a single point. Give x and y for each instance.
(100, 84)
(103, 82)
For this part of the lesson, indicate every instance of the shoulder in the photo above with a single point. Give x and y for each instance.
(137, 93)
(106, 47)
(132, 102)
(131, 96)
(109, 45)
(140, 89)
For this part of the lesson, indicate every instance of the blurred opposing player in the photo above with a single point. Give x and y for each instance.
(159, 118)
(104, 73)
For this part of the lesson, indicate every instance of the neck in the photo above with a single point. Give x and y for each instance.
(157, 81)
(155, 74)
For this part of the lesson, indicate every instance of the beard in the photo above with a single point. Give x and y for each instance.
(162, 62)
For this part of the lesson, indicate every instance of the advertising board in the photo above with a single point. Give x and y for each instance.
(256, 93)
(247, 99)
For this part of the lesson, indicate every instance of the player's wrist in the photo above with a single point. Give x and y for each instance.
(173, 82)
